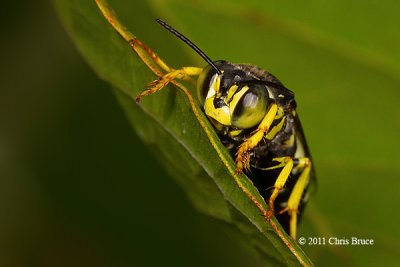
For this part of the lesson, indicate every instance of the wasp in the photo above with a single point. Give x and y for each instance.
(255, 117)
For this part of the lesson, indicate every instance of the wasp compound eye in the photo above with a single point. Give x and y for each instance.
(250, 109)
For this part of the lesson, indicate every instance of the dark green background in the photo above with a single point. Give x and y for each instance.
(75, 180)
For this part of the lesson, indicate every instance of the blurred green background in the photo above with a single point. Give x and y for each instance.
(74, 176)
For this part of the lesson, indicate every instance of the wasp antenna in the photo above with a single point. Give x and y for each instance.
(189, 43)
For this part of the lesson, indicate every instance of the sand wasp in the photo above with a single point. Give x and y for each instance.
(255, 117)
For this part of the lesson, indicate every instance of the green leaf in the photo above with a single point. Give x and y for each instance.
(342, 60)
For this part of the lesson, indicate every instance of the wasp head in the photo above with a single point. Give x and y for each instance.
(229, 99)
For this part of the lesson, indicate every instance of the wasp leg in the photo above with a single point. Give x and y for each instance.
(181, 74)
(243, 153)
(297, 193)
(287, 163)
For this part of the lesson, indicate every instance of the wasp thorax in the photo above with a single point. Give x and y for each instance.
(228, 99)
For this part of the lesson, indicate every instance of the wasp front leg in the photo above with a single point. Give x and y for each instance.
(180, 74)
(243, 153)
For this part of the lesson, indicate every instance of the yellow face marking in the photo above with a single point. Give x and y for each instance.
(214, 88)
(222, 114)
(218, 126)
(231, 92)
